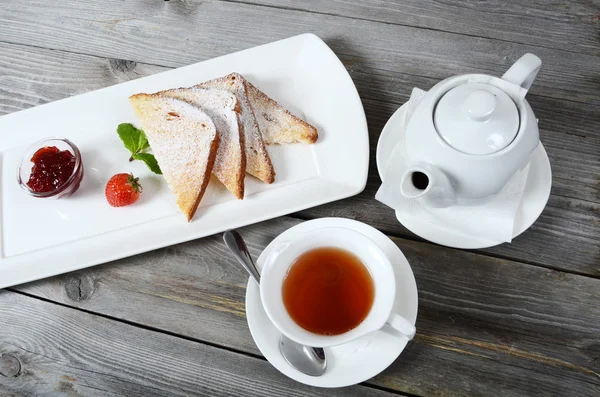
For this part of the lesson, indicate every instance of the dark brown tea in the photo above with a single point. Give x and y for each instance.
(328, 291)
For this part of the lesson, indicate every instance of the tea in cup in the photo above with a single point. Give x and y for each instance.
(329, 287)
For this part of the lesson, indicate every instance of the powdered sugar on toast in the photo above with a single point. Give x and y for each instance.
(184, 141)
(224, 109)
(258, 162)
(277, 124)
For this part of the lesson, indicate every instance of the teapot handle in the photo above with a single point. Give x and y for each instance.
(523, 72)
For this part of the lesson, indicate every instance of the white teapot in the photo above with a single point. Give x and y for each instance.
(469, 135)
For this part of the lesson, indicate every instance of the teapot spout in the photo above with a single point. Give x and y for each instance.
(429, 185)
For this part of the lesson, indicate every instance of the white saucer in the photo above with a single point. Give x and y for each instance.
(535, 196)
(356, 361)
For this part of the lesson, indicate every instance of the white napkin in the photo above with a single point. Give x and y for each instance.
(492, 219)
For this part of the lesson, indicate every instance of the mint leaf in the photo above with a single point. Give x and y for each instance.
(150, 161)
(130, 137)
(143, 143)
(136, 141)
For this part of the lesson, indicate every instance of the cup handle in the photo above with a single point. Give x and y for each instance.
(401, 325)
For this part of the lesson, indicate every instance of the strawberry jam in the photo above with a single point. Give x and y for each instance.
(52, 168)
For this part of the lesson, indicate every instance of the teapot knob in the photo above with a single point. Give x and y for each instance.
(479, 105)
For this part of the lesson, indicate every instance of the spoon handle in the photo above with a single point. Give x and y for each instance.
(315, 356)
(238, 247)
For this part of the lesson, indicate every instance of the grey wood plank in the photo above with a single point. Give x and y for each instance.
(567, 25)
(54, 350)
(178, 33)
(32, 76)
(485, 325)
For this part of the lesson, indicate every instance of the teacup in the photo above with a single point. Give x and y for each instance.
(283, 256)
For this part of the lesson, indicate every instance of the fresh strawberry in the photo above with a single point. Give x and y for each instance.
(122, 190)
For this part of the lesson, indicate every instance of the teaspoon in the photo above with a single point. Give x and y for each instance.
(308, 360)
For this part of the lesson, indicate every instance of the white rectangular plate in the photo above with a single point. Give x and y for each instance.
(45, 237)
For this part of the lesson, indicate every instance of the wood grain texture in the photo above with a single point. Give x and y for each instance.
(32, 76)
(65, 352)
(485, 325)
(566, 25)
(178, 33)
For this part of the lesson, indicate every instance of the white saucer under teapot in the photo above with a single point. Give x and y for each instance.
(469, 135)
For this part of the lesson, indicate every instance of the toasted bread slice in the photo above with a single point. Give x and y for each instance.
(223, 108)
(258, 162)
(184, 141)
(276, 123)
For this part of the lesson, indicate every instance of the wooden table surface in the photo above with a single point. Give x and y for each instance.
(514, 320)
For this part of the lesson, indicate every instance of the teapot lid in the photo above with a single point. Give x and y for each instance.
(477, 118)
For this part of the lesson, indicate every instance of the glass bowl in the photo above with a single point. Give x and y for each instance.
(63, 190)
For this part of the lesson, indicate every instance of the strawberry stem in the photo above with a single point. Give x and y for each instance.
(134, 183)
